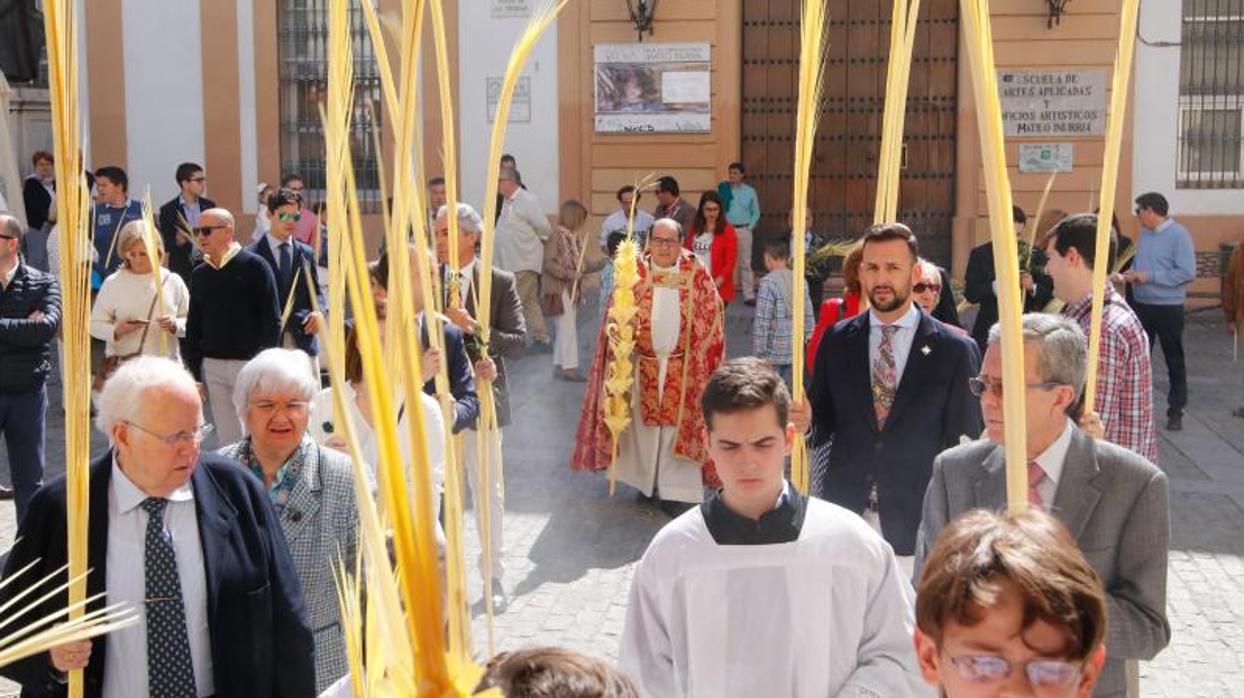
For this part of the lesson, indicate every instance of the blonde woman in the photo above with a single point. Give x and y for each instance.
(127, 315)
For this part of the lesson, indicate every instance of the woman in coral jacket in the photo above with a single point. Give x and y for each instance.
(835, 309)
(716, 244)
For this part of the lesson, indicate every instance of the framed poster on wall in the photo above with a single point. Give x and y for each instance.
(653, 88)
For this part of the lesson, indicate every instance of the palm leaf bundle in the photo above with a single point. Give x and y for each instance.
(72, 214)
(1128, 17)
(979, 41)
(811, 82)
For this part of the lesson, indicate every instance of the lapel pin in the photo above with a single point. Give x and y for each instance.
(926, 350)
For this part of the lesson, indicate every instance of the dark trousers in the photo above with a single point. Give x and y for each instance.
(1165, 324)
(22, 418)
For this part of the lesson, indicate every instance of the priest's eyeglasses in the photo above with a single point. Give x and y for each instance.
(1041, 673)
(979, 386)
(179, 437)
(663, 242)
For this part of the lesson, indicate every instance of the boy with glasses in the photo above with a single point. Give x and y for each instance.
(234, 315)
(1112, 501)
(1008, 606)
(307, 225)
(290, 260)
(179, 216)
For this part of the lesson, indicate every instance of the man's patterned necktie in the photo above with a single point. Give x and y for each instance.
(1035, 475)
(885, 380)
(170, 673)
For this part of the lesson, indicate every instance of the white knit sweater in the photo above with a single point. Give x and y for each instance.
(127, 296)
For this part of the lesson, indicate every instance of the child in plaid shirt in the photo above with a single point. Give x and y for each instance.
(771, 329)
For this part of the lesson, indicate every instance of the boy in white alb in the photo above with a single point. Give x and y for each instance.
(761, 591)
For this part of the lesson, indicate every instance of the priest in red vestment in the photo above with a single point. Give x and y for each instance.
(679, 342)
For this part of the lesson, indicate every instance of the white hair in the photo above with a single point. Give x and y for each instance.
(468, 218)
(285, 371)
(669, 223)
(121, 398)
(929, 270)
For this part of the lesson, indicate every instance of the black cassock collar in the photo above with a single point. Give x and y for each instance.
(781, 524)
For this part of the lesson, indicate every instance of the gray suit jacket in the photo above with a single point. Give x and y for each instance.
(1113, 502)
(320, 522)
(508, 334)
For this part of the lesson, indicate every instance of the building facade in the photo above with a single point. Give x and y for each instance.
(235, 85)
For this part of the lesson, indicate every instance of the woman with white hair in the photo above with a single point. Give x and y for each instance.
(311, 488)
(128, 314)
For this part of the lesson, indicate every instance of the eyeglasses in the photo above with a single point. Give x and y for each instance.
(931, 288)
(190, 437)
(270, 407)
(204, 230)
(1041, 673)
(663, 242)
(979, 386)
(295, 216)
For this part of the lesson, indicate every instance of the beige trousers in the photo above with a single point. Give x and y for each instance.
(528, 283)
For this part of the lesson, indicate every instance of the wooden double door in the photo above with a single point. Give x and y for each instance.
(844, 170)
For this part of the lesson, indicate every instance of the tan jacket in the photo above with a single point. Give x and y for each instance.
(561, 262)
(1233, 286)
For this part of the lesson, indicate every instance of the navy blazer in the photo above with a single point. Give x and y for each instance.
(302, 259)
(932, 409)
(461, 376)
(261, 642)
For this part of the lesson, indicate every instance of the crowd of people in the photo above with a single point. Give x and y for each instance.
(824, 592)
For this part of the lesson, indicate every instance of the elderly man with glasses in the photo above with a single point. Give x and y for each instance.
(234, 315)
(1113, 501)
(311, 487)
(187, 539)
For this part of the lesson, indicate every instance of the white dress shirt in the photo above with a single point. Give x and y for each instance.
(521, 232)
(1051, 461)
(125, 663)
(464, 281)
(901, 342)
(616, 223)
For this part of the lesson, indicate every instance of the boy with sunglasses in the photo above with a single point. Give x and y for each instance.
(290, 260)
(1008, 606)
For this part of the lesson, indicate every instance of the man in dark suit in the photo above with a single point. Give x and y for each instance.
(188, 540)
(980, 284)
(891, 390)
(454, 353)
(179, 217)
(1112, 501)
(506, 337)
(290, 260)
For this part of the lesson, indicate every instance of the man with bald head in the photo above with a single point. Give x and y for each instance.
(29, 316)
(234, 315)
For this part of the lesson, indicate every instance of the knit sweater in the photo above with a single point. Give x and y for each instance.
(128, 296)
(233, 311)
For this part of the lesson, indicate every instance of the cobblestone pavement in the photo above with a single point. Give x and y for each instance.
(571, 549)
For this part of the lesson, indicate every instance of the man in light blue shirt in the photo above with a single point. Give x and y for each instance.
(1165, 264)
(743, 213)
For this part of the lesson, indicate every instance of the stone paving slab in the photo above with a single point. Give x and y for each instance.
(571, 549)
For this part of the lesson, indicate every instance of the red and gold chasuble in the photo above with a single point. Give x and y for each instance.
(699, 351)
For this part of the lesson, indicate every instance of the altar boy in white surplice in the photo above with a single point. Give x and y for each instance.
(761, 591)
